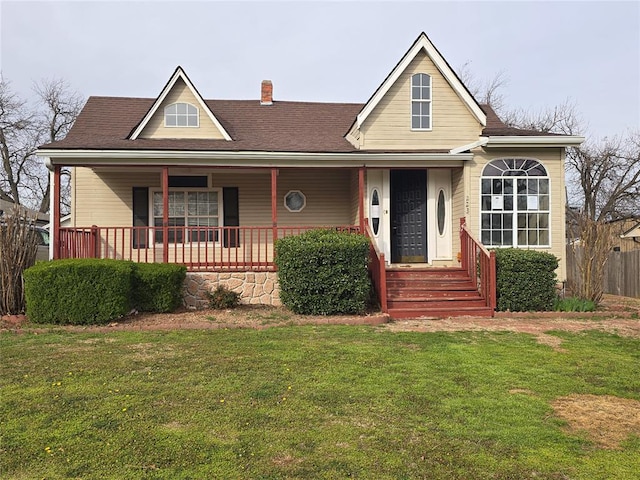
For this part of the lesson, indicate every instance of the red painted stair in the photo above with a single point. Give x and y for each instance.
(433, 292)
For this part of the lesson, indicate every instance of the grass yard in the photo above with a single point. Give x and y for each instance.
(321, 402)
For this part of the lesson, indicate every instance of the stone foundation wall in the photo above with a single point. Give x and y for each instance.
(255, 288)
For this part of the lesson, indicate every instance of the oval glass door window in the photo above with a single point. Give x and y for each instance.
(375, 211)
(441, 212)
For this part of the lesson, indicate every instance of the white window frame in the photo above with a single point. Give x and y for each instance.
(421, 101)
(514, 211)
(186, 190)
(186, 115)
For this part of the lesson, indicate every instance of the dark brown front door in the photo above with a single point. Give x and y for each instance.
(409, 216)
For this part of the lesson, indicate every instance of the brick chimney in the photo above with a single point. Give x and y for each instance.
(266, 97)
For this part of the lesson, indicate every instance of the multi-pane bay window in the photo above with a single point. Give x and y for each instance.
(192, 210)
(514, 203)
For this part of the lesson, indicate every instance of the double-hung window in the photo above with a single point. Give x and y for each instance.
(180, 115)
(421, 102)
(514, 203)
(192, 213)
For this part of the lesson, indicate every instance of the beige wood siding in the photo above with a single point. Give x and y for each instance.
(328, 194)
(104, 198)
(180, 93)
(389, 125)
(553, 161)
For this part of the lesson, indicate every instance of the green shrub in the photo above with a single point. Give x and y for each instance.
(157, 287)
(79, 291)
(573, 304)
(222, 298)
(324, 272)
(526, 280)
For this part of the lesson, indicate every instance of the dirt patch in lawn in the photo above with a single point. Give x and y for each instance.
(619, 315)
(606, 420)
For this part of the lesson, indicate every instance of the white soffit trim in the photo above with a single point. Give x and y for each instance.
(249, 159)
(463, 148)
(421, 43)
(535, 141)
(179, 74)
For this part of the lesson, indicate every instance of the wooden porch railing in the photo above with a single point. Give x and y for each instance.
(378, 269)
(479, 263)
(198, 248)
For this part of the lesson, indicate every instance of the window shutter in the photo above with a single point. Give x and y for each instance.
(140, 216)
(231, 216)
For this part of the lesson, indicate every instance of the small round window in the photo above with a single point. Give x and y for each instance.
(295, 201)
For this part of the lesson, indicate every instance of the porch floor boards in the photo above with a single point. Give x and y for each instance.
(433, 292)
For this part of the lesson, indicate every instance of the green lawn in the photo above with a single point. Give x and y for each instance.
(307, 402)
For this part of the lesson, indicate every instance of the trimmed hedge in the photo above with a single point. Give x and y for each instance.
(157, 287)
(78, 291)
(526, 280)
(324, 272)
(96, 291)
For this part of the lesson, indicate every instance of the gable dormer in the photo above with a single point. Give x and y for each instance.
(421, 105)
(180, 112)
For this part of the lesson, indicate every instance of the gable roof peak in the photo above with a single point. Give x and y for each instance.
(178, 74)
(422, 43)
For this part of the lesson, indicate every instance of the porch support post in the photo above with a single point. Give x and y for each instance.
(56, 212)
(165, 214)
(361, 171)
(274, 202)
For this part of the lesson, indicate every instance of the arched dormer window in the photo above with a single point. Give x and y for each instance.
(180, 115)
(420, 102)
(514, 203)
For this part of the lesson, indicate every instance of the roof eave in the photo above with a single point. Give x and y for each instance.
(181, 158)
(534, 141)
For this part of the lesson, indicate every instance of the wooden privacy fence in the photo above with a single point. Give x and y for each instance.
(622, 272)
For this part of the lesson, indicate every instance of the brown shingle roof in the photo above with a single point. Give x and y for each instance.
(496, 128)
(106, 122)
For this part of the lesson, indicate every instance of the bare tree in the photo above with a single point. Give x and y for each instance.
(606, 188)
(563, 119)
(59, 108)
(17, 132)
(489, 92)
(608, 172)
(23, 178)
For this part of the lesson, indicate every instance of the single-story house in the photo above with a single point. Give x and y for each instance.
(432, 176)
(7, 207)
(629, 239)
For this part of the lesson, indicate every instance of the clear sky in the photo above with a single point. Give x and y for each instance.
(587, 52)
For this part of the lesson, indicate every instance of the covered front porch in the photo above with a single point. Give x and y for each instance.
(162, 218)
(208, 219)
